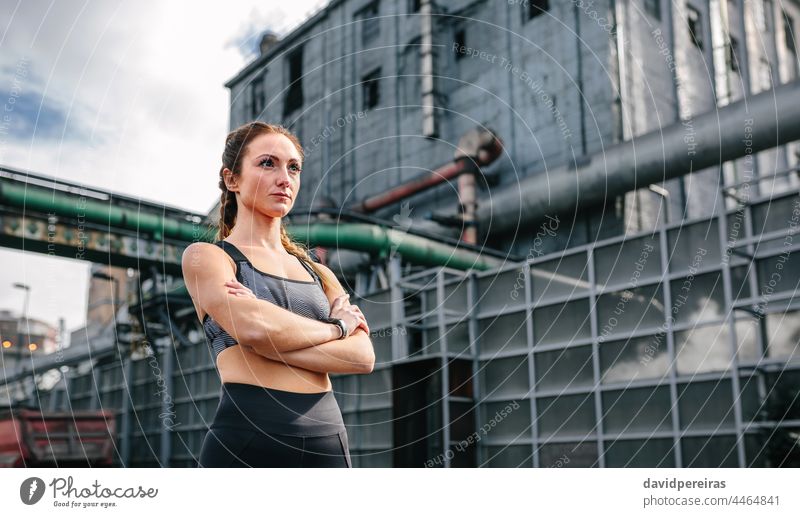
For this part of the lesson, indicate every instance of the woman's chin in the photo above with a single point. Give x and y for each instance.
(277, 210)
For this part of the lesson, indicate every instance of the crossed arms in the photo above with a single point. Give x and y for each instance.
(268, 329)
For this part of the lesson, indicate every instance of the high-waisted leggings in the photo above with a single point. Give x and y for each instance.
(264, 427)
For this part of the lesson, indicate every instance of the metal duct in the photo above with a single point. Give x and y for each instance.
(477, 148)
(386, 241)
(75, 206)
(367, 237)
(430, 127)
(764, 121)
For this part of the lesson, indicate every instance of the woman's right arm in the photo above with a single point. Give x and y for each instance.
(258, 323)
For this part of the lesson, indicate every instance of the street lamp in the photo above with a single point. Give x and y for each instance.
(27, 288)
(19, 285)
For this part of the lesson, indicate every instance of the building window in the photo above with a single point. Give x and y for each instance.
(294, 97)
(257, 100)
(695, 26)
(414, 6)
(733, 55)
(788, 33)
(460, 41)
(370, 23)
(653, 8)
(370, 89)
(534, 8)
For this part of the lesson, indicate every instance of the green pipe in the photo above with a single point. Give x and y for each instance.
(30, 197)
(355, 236)
(383, 241)
(368, 238)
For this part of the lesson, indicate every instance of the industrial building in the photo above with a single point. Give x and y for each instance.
(571, 226)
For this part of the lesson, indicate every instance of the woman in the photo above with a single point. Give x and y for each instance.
(277, 323)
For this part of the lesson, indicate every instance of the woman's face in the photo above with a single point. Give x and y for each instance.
(270, 171)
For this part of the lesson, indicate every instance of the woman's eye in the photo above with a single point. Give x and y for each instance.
(268, 162)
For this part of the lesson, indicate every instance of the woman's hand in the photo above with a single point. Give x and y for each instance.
(348, 312)
(237, 288)
(363, 324)
(341, 308)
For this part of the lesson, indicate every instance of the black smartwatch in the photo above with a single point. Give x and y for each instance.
(339, 323)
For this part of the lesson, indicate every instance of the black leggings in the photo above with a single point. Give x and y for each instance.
(264, 427)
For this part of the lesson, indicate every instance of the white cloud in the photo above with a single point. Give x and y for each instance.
(127, 97)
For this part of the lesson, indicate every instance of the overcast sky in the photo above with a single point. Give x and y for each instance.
(126, 96)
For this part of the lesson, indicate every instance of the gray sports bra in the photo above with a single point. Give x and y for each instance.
(304, 297)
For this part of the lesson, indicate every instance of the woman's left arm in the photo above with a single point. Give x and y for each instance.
(353, 354)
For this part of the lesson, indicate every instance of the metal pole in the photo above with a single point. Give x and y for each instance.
(669, 337)
(20, 346)
(430, 124)
(440, 311)
(127, 404)
(166, 405)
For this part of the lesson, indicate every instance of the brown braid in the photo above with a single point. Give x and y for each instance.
(235, 146)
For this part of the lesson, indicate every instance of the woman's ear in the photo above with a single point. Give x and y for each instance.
(230, 180)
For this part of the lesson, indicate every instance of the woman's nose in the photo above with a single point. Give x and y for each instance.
(283, 176)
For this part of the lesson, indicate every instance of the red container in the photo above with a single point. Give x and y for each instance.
(32, 438)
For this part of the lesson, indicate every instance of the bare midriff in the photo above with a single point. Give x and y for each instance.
(242, 364)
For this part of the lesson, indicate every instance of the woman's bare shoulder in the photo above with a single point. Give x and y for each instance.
(197, 255)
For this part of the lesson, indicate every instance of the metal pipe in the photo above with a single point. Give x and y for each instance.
(418, 184)
(126, 434)
(345, 216)
(39, 199)
(579, 77)
(620, 33)
(744, 47)
(677, 89)
(477, 148)
(430, 126)
(165, 451)
(764, 121)
(469, 204)
(386, 241)
(428, 249)
(720, 43)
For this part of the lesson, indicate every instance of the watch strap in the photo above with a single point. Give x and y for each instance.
(339, 323)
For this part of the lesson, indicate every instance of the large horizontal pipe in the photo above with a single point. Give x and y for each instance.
(763, 121)
(345, 216)
(27, 197)
(384, 241)
(370, 238)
